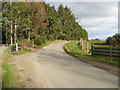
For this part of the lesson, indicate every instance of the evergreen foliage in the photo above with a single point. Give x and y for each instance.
(39, 22)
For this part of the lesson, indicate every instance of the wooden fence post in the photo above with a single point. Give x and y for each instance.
(82, 45)
(87, 47)
(92, 48)
(110, 53)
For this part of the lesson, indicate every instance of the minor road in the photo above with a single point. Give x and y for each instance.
(60, 70)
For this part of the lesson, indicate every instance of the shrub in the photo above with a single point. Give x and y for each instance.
(111, 41)
(25, 44)
(114, 40)
(38, 41)
(96, 39)
(51, 37)
(43, 39)
(117, 36)
(13, 48)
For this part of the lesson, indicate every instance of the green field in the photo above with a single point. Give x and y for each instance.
(98, 43)
(73, 49)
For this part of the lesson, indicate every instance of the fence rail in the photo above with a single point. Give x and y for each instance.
(112, 53)
(6, 49)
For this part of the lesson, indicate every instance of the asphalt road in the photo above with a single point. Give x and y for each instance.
(64, 71)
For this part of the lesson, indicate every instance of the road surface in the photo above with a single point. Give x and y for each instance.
(52, 67)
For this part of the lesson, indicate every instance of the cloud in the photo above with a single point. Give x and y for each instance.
(102, 32)
(93, 22)
(83, 10)
(100, 19)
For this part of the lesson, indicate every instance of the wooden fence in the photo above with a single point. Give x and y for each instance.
(85, 46)
(112, 53)
(5, 49)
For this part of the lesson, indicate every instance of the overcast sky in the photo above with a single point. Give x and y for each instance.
(100, 19)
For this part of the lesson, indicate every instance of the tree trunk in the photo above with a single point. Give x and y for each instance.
(6, 37)
(15, 37)
(11, 38)
(16, 46)
(28, 35)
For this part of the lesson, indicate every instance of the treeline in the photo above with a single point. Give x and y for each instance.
(0, 19)
(63, 25)
(38, 22)
(114, 40)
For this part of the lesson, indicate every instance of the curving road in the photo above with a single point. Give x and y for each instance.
(63, 71)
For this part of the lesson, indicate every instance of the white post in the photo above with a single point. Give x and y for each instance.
(28, 35)
(33, 43)
(16, 46)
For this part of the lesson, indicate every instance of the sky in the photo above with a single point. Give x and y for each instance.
(100, 19)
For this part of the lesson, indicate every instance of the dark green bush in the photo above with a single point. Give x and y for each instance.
(25, 44)
(51, 37)
(44, 39)
(13, 47)
(117, 36)
(111, 41)
(96, 39)
(38, 41)
(114, 40)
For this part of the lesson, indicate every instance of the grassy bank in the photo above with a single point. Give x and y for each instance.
(8, 76)
(73, 49)
(21, 52)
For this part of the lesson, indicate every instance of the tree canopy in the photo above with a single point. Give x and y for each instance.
(33, 20)
(114, 40)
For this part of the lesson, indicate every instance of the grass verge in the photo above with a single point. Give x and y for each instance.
(8, 76)
(73, 49)
(21, 52)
